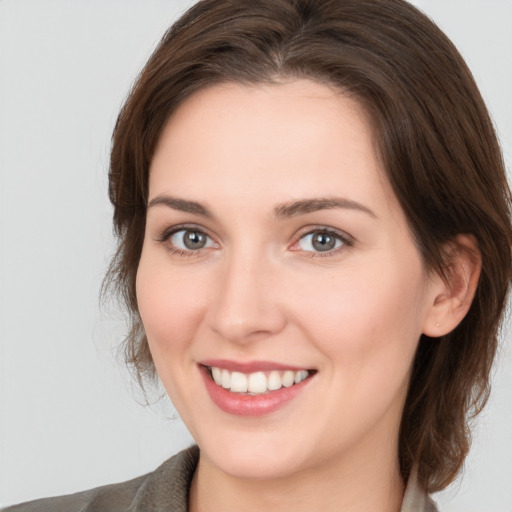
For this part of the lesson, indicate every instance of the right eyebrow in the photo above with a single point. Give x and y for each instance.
(181, 205)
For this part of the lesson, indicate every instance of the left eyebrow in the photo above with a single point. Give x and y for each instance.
(303, 206)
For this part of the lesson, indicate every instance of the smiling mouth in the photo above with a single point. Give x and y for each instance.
(257, 383)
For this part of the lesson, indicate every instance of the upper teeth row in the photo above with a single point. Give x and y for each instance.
(257, 382)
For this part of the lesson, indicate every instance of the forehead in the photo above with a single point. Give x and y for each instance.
(285, 139)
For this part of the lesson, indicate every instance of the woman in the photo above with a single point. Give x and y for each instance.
(315, 249)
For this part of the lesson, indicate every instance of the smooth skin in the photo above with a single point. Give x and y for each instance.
(266, 173)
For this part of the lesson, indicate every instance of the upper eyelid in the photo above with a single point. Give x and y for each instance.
(166, 233)
(324, 229)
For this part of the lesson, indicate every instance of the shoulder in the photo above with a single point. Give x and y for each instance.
(165, 489)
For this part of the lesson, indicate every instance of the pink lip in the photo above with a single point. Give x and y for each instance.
(250, 366)
(241, 404)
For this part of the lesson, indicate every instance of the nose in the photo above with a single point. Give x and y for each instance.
(245, 305)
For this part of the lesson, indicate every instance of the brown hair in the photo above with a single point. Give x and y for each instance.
(433, 134)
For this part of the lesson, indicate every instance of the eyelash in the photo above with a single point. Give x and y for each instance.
(168, 234)
(345, 239)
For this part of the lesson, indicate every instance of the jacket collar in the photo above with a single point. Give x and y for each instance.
(415, 498)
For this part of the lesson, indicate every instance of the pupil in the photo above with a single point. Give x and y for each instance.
(323, 242)
(194, 240)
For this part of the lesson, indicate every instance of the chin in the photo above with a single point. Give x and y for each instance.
(252, 458)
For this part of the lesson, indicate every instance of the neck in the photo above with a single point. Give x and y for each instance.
(363, 486)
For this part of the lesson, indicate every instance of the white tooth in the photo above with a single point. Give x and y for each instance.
(300, 376)
(257, 383)
(274, 381)
(288, 378)
(225, 379)
(238, 382)
(217, 375)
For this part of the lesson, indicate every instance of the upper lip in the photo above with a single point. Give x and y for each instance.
(249, 366)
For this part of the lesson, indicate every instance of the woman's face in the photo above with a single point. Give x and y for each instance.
(276, 250)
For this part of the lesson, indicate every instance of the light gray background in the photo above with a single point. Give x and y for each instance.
(69, 419)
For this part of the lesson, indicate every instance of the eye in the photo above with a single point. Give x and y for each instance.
(321, 241)
(190, 240)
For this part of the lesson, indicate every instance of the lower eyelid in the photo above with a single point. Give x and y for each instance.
(186, 254)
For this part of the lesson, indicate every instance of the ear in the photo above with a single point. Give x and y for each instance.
(453, 291)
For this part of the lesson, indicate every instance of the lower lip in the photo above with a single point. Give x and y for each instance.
(248, 405)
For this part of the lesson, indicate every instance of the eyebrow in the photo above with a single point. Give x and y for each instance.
(304, 206)
(282, 211)
(181, 205)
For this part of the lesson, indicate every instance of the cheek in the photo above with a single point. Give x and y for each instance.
(171, 310)
(169, 304)
(365, 314)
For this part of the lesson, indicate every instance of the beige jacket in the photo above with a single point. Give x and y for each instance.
(165, 490)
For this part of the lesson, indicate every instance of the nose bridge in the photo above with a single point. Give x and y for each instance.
(244, 306)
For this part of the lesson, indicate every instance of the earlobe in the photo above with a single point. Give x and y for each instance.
(453, 292)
